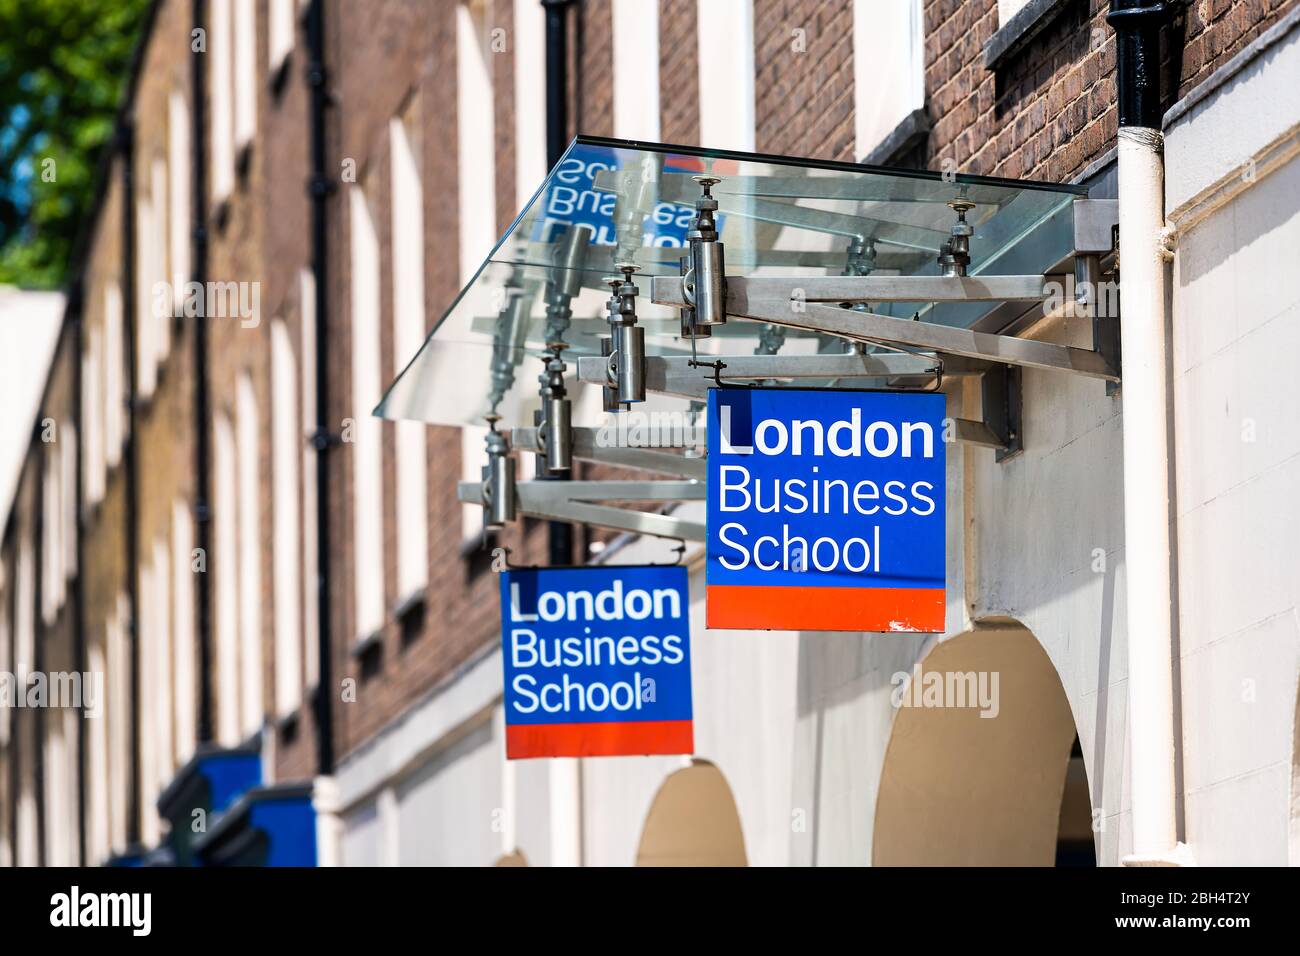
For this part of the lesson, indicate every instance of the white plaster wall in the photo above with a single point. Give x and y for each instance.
(1046, 549)
(1236, 332)
(1233, 188)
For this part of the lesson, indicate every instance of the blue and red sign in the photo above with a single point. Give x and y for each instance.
(825, 510)
(597, 661)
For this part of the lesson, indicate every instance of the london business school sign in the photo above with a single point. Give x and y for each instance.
(597, 661)
(825, 510)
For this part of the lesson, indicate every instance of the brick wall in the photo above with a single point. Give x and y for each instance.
(1048, 112)
(416, 43)
(594, 76)
(803, 69)
(679, 84)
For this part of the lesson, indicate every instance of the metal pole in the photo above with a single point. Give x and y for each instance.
(559, 534)
(202, 392)
(321, 187)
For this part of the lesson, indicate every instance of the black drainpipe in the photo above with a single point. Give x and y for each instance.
(321, 186)
(559, 533)
(1137, 26)
(39, 464)
(202, 392)
(75, 314)
(126, 149)
(557, 78)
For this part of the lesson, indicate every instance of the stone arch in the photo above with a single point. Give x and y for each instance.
(693, 821)
(958, 788)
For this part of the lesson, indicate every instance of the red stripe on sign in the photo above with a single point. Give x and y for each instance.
(765, 607)
(634, 738)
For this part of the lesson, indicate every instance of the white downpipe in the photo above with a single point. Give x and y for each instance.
(1146, 496)
(329, 824)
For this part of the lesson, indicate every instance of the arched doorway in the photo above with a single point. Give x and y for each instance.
(693, 822)
(982, 767)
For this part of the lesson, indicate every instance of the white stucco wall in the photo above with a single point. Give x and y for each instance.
(1046, 545)
(1233, 192)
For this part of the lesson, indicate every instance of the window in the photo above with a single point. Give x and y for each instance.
(307, 326)
(475, 134)
(99, 840)
(160, 674)
(57, 811)
(726, 74)
(146, 347)
(6, 661)
(367, 449)
(24, 610)
(279, 32)
(221, 178)
(51, 532)
(162, 297)
(636, 81)
(248, 456)
(530, 99)
(68, 490)
(110, 406)
(93, 412)
(477, 205)
(245, 69)
(888, 69)
(285, 440)
(1008, 9)
(58, 526)
(473, 456)
(117, 694)
(178, 162)
(408, 335)
(148, 698)
(224, 563)
(24, 660)
(183, 689)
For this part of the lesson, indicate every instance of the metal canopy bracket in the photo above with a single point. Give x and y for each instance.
(787, 304)
(579, 501)
(607, 446)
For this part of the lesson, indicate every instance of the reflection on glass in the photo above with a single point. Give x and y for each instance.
(608, 203)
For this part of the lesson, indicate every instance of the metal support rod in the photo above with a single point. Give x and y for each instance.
(885, 329)
(874, 288)
(602, 445)
(674, 375)
(568, 501)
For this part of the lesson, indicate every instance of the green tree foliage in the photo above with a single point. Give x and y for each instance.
(64, 66)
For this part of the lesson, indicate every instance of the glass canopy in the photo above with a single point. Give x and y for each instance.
(609, 202)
